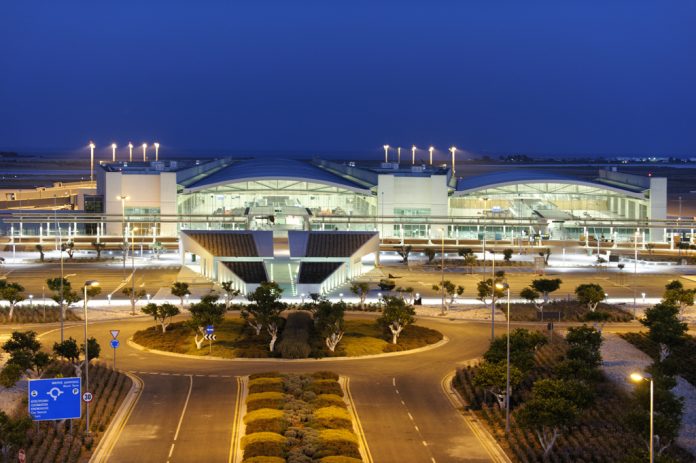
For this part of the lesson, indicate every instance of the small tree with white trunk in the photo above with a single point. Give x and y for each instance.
(264, 310)
(360, 289)
(329, 322)
(162, 313)
(590, 295)
(230, 292)
(449, 292)
(396, 315)
(203, 314)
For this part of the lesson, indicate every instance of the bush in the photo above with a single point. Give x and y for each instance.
(338, 442)
(10, 375)
(265, 460)
(265, 385)
(265, 420)
(263, 444)
(325, 375)
(294, 343)
(265, 400)
(340, 459)
(329, 400)
(326, 386)
(333, 418)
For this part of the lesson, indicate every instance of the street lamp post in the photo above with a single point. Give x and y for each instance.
(88, 284)
(492, 251)
(506, 286)
(386, 153)
(133, 230)
(430, 150)
(635, 270)
(123, 199)
(91, 161)
(130, 152)
(637, 377)
(398, 155)
(442, 268)
(156, 151)
(144, 152)
(413, 155)
(453, 150)
(113, 152)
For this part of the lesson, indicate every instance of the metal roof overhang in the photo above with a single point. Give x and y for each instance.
(354, 189)
(633, 194)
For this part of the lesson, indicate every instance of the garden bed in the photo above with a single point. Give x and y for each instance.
(35, 314)
(298, 418)
(570, 311)
(49, 441)
(236, 340)
(600, 435)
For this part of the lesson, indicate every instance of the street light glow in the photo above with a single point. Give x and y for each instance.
(386, 153)
(413, 155)
(156, 151)
(430, 150)
(453, 150)
(144, 151)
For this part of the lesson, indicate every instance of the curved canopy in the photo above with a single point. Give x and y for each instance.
(274, 169)
(469, 185)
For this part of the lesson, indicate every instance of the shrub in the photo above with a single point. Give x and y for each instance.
(263, 444)
(326, 386)
(10, 374)
(265, 460)
(295, 340)
(338, 442)
(333, 418)
(325, 375)
(329, 400)
(265, 400)
(340, 459)
(265, 385)
(265, 420)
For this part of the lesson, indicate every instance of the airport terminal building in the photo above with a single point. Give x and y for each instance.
(396, 201)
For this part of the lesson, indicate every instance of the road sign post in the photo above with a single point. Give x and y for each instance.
(114, 343)
(55, 398)
(209, 330)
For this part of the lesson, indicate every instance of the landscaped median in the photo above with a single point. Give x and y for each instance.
(298, 418)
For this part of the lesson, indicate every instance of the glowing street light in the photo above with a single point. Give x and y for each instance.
(413, 155)
(502, 286)
(156, 151)
(144, 152)
(113, 152)
(637, 377)
(398, 155)
(386, 153)
(430, 150)
(453, 150)
(130, 149)
(91, 161)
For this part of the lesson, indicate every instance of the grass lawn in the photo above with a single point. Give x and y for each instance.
(235, 339)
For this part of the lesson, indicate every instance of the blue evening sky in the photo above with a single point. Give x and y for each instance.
(548, 77)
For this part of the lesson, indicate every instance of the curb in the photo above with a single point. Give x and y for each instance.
(440, 343)
(344, 381)
(487, 441)
(238, 427)
(110, 437)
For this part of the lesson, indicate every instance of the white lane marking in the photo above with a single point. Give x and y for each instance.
(394, 382)
(164, 374)
(225, 376)
(212, 376)
(416, 428)
(433, 459)
(171, 450)
(425, 444)
(403, 403)
(397, 391)
(200, 376)
(410, 416)
(183, 412)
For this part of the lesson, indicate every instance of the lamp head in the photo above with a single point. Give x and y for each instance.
(144, 145)
(92, 145)
(157, 145)
(453, 149)
(386, 147)
(502, 285)
(638, 377)
(92, 283)
(130, 145)
(113, 145)
(413, 147)
(431, 149)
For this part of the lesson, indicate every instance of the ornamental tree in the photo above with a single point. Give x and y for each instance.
(161, 313)
(523, 345)
(202, 315)
(180, 289)
(360, 289)
(449, 291)
(493, 378)
(590, 295)
(396, 315)
(676, 294)
(12, 293)
(545, 286)
(67, 349)
(584, 345)
(329, 322)
(134, 295)
(264, 310)
(554, 406)
(403, 252)
(230, 292)
(664, 327)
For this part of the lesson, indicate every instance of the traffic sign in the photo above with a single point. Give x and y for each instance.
(54, 398)
(114, 343)
(209, 329)
(87, 397)
(209, 337)
(114, 333)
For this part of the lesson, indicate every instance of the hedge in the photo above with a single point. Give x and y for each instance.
(294, 343)
(329, 400)
(265, 400)
(326, 386)
(333, 418)
(263, 444)
(338, 442)
(267, 374)
(265, 385)
(336, 459)
(325, 375)
(265, 420)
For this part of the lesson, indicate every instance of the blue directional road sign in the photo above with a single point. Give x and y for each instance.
(55, 398)
(209, 329)
(114, 343)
